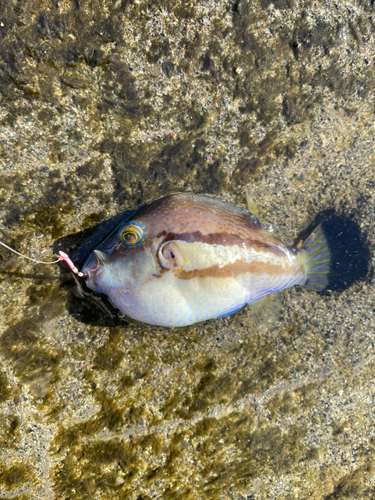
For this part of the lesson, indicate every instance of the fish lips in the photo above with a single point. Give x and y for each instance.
(97, 261)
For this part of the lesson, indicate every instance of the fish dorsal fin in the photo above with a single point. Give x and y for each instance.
(251, 206)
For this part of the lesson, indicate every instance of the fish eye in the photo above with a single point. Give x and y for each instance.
(132, 234)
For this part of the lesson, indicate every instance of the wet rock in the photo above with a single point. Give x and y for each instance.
(105, 106)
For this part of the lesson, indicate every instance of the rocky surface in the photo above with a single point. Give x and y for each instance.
(105, 105)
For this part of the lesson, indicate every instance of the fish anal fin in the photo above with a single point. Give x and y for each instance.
(266, 311)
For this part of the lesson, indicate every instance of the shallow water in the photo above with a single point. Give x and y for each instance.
(106, 106)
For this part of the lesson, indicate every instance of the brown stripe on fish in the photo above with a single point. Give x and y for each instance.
(224, 239)
(234, 269)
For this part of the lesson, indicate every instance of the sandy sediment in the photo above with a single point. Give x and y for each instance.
(107, 105)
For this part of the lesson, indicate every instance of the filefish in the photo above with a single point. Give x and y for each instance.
(187, 258)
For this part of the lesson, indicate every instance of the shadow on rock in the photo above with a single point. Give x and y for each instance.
(350, 254)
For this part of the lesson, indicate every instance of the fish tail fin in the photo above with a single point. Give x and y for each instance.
(316, 256)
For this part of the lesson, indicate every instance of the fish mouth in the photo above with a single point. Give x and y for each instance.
(97, 260)
(94, 266)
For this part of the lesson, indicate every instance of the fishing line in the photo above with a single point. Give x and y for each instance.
(63, 257)
(26, 257)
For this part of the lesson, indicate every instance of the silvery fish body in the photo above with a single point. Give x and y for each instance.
(187, 258)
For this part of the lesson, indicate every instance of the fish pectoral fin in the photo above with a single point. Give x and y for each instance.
(266, 311)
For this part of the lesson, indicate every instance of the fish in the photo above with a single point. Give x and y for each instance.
(187, 258)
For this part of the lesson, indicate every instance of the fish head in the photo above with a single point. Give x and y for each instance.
(134, 254)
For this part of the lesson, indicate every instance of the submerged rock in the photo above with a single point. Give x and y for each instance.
(109, 105)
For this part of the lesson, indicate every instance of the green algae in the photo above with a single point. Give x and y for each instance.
(15, 475)
(126, 382)
(213, 386)
(48, 219)
(5, 390)
(251, 448)
(9, 430)
(90, 220)
(109, 466)
(26, 351)
(258, 366)
(353, 485)
(109, 355)
(97, 460)
(283, 404)
(23, 345)
(111, 414)
(257, 451)
(290, 403)
(215, 454)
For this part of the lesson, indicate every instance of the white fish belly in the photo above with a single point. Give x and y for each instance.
(170, 301)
